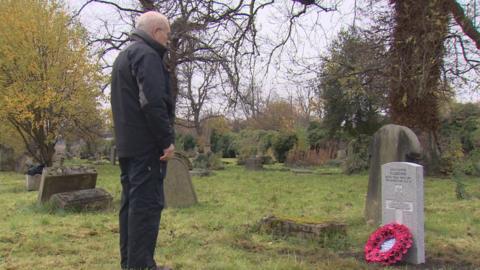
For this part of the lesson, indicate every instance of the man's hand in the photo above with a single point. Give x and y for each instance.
(168, 153)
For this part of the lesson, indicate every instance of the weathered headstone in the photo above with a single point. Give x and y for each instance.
(32, 182)
(254, 163)
(86, 199)
(65, 179)
(390, 143)
(402, 202)
(178, 187)
(183, 156)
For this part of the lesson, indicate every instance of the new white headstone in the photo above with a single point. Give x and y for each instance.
(402, 202)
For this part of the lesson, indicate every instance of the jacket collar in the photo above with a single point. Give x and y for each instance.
(141, 35)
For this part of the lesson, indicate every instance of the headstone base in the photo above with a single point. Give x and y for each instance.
(87, 199)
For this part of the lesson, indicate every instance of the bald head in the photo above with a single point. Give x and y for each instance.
(154, 24)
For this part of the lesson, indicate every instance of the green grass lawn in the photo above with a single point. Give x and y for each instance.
(219, 232)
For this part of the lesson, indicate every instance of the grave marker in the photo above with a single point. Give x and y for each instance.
(65, 179)
(178, 187)
(402, 202)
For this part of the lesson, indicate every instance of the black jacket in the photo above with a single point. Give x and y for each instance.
(141, 101)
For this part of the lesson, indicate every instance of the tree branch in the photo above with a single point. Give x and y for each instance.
(464, 22)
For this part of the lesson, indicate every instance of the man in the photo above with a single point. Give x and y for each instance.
(143, 115)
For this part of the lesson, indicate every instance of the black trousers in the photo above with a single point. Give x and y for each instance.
(141, 207)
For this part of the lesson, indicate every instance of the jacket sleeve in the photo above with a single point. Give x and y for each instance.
(155, 100)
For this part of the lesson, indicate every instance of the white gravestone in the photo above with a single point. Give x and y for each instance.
(402, 202)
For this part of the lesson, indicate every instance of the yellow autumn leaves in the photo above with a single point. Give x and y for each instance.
(49, 86)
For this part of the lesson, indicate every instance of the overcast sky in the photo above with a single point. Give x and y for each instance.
(309, 43)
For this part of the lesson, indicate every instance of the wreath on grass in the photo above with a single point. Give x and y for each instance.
(388, 244)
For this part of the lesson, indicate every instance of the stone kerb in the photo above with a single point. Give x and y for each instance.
(65, 179)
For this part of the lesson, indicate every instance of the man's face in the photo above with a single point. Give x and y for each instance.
(162, 34)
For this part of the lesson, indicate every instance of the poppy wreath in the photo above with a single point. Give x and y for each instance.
(403, 241)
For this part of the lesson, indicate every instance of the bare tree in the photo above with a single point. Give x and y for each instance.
(217, 32)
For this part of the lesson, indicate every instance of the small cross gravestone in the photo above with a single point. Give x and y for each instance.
(402, 202)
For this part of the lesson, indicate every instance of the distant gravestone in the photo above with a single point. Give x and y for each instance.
(113, 155)
(86, 199)
(7, 161)
(342, 154)
(32, 182)
(65, 179)
(403, 203)
(178, 187)
(390, 143)
(254, 164)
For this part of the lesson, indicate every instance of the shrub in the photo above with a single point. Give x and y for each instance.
(189, 142)
(282, 144)
(357, 155)
(224, 144)
(249, 143)
(208, 161)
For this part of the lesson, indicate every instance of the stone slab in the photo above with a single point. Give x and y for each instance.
(403, 203)
(65, 179)
(302, 229)
(87, 199)
(200, 172)
(32, 182)
(177, 186)
(301, 171)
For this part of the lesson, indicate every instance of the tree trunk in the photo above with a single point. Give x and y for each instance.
(416, 60)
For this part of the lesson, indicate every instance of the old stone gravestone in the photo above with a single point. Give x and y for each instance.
(86, 199)
(390, 143)
(254, 163)
(402, 202)
(32, 182)
(178, 187)
(65, 179)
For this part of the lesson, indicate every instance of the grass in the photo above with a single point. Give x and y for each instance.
(219, 232)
